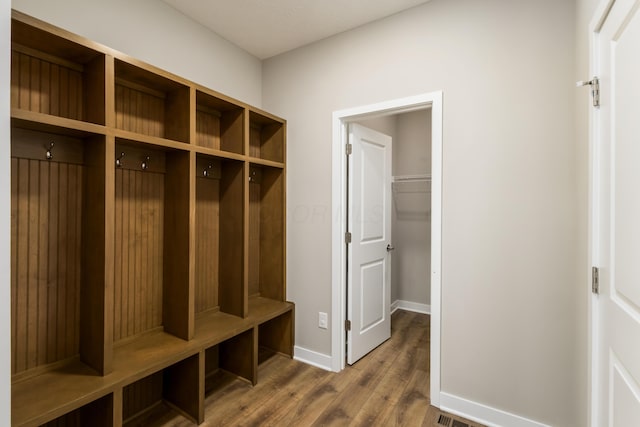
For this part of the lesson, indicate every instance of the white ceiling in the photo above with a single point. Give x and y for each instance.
(266, 28)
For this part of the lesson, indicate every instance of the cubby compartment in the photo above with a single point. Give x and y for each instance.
(266, 232)
(58, 250)
(53, 75)
(219, 124)
(151, 104)
(219, 236)
(175, 389)
(230, 359)
(98, 413)
(266, 138)
(151, 266)
(275, 336)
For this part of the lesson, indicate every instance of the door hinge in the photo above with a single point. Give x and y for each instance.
(347, 237)
(349, 149)
(347, 325)
(595, 280)
(595, 89)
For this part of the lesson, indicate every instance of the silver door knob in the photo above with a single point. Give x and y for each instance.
(390, 248)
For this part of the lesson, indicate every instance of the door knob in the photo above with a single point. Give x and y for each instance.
(390, 248)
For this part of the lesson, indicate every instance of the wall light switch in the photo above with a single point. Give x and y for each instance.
(322, 320)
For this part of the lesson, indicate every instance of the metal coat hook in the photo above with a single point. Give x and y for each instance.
(119, 160)
(206, 170)
(50, 151)
(145, 163)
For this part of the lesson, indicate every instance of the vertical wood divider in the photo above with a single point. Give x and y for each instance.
(284, 220)
(245, 219)
(201, 385)
(192, 233)
(117, 407)
(254, 359)
(110, 92)
(193, 140)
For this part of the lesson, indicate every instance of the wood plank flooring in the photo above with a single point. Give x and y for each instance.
(388, 387)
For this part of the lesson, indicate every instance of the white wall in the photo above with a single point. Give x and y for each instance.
(5, 215)
(154, 32)
(510, 315)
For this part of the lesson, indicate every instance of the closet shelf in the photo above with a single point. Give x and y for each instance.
(411, 196)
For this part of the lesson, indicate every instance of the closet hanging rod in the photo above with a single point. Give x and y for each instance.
(424, 177)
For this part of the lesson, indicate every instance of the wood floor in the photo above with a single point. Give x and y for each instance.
(389, 387)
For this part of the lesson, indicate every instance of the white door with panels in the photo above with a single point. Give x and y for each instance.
(369, 252)
(615, 224)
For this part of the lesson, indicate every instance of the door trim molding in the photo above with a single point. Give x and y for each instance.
(340, 121)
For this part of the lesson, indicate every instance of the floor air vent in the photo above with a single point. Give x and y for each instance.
(443, 420)
(457, 423)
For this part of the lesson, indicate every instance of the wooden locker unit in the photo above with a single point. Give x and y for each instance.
(148, 236)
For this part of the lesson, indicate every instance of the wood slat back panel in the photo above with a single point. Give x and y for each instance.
(96, 414)
(46, 232)
(139, 229)
(46, 87)
(140, 395)
(207, 243)
(207, 129)
(140, 112)
(254, 140)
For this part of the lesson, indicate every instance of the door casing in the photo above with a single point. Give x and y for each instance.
(340, 121)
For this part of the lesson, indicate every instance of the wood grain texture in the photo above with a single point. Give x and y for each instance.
(139, 242)
(47, 240)
(98, 413)
(254, 236)
(272, 224)
(96, 303)
(389, 386)
(139, 112)
(139, 396)
(232, 293)
(207, 243)
(266, 138)
(106, 260)
(207, 129)
(184, 387)
(219, 124)
(179, 280)
(42, 86)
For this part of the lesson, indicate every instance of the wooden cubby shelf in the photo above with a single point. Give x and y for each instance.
(148, 236)
(266, 137)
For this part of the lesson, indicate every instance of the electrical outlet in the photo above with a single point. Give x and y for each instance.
(322, 320)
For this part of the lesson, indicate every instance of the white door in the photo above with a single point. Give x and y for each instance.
(615, 230)
(369, 260)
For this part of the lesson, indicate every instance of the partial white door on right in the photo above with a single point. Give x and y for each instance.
(615, 234)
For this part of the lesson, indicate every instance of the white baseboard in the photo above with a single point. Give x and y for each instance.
(483, 414)
(410, 306)
(313, 358)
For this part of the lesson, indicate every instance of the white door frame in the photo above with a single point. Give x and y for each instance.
(341, 119)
